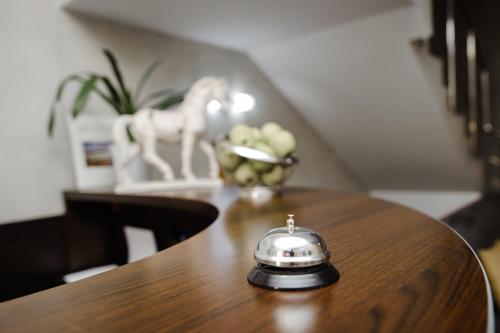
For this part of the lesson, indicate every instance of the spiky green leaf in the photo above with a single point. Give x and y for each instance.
(154, 96)
(52, 119)
(57, 98)
(169, 101)
(112, 90)
(144, 78)
(81, 99)
(126, 100)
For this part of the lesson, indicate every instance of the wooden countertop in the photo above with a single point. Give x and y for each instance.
(401, 271)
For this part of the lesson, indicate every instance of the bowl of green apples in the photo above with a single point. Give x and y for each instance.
(257, 159)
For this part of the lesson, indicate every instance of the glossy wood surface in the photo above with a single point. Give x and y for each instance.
(401, 271)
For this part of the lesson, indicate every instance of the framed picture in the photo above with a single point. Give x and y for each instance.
(91, 147)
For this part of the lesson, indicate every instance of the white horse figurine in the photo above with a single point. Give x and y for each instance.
(186, 124)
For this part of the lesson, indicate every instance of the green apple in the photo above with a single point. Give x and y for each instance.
(245, 175)
(273, 177)
(261, 166)
(241, 135)
(268, 129)
(257, 135)
(283, 143)
(228, 161)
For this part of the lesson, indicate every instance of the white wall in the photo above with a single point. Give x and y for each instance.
(348, 67)
(437, 204)
(41, 44)
(376, 100)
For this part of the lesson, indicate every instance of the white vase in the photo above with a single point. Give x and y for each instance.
(139, 170)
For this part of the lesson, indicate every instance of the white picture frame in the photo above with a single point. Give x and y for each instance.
(91, 140)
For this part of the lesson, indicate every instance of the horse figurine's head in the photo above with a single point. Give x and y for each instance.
(219, 92)
(212, 88)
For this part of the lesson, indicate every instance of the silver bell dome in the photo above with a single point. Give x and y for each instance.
(291, 246)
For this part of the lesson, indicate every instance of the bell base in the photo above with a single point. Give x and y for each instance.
(276, 278)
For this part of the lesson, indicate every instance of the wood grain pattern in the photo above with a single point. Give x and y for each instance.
(401, 271)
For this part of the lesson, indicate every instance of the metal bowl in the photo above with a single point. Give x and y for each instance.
(223, 145)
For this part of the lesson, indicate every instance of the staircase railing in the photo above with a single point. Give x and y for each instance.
(467, 77)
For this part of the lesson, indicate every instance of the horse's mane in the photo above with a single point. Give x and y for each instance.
(207, 80)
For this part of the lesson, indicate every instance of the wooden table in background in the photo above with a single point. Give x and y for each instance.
(401, 271)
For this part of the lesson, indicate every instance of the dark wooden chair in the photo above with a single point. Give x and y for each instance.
(32, 256)
(36, 254)
(99, 218)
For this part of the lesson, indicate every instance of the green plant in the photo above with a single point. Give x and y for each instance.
(116, 94)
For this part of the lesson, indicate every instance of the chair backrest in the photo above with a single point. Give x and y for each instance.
(94, 236)
(32, 256)
(36, 254)
(95, 224)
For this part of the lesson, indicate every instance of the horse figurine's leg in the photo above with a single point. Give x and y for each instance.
(150, 156)
(213, 166)
(124, 164)
(188, 140)
(126, 149)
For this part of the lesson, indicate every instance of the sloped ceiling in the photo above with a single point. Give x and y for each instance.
(376, 100)
(346, 65)
(235, 24)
